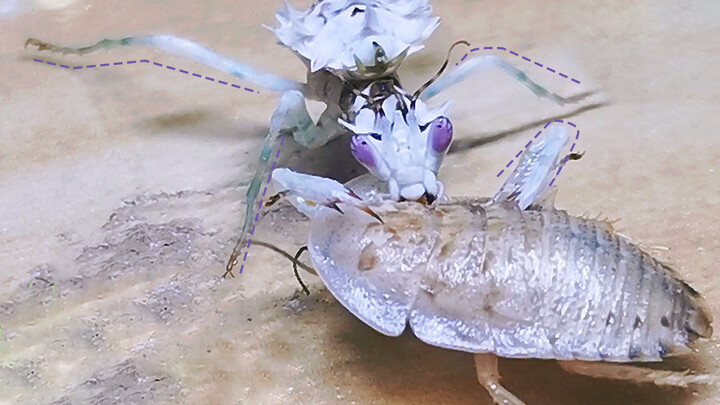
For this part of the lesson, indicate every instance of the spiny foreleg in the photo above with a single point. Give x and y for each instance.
(530, 182)
(310, 193)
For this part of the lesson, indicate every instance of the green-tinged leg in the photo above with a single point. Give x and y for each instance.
(482, 63)
(183, 47)
(290, 118)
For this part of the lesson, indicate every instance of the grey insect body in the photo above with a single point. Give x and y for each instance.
(487, 277)
(508, 276)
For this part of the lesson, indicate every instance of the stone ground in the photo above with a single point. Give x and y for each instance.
(122, 191)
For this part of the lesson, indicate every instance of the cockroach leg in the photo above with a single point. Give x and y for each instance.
(639, 375)
(489, 377)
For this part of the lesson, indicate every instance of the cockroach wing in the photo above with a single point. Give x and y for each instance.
(465, 302)
(479, 276)
(380, 289)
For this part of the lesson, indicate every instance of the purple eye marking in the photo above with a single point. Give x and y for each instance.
(362, 151)
(441, 131)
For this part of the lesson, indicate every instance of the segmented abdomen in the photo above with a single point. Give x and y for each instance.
(595, 295)
(486, 277)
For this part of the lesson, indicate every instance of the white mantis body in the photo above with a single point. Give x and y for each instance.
(509, 276)
(352, 49)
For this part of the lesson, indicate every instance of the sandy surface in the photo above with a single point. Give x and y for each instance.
(122, 190)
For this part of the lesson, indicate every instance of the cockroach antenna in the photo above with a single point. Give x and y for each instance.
(442, 69)
(295, 261)
(295, 269)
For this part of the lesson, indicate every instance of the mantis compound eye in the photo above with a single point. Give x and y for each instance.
(363, 151)
(441, 131)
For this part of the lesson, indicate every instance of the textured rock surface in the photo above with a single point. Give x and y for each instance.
(122, 190)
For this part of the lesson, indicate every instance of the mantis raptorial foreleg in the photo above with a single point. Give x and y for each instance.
(482, 63)
(529, 184)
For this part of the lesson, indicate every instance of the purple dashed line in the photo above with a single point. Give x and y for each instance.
(527, 145)
(282, 140)
(257, 215)
(130, 62)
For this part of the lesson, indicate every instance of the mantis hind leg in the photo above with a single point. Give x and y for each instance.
(489, 377)
(290, 118)
(482, 63)
(183, 47)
